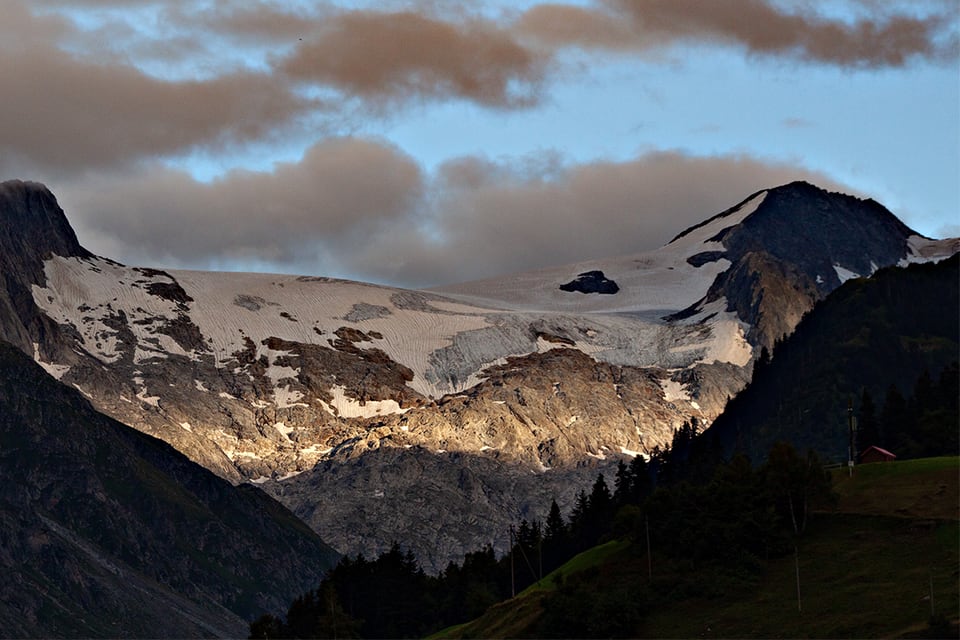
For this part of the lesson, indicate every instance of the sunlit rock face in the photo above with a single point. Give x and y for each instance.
(329, 392)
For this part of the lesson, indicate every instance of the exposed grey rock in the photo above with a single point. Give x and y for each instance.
(363, 311)
(591, 282)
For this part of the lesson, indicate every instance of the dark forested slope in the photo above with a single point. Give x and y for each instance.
(105, 531)
(880, 336)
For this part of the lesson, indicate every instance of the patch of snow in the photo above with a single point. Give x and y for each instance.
(920, 249)
(199, 386)
(91, 293)
(695, 405)
(634, 454)
(288, 475)
(346, 407)
(285, 397)
(186, 426)
(55, 370)
(844, 274)
(284, 430)
(598, 456)
(78, 388)
(727, 342)
(226, 396)
(259, 480)
(153, 401)
(673, 390)
(314, 449)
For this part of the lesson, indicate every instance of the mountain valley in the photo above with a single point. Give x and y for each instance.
(434, 418)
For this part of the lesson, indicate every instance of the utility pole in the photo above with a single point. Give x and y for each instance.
(646, 522)
(796, 559)
(851, 450)
(540, 556)
(513, 584)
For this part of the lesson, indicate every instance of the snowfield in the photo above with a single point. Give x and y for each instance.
(446, 337)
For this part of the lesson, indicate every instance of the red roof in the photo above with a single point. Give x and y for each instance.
(882, 452)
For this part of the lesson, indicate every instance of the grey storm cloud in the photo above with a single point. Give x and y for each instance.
(363, 209)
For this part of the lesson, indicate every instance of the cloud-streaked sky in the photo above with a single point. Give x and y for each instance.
(424, 142)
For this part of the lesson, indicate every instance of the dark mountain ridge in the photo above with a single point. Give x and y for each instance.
(33, 227)
(790, 252)
(109, 532)
(869, 334)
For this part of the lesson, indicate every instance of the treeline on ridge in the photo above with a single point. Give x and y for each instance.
(728, 524)
(869, 335)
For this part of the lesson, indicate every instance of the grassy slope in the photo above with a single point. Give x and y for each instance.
(865, 569)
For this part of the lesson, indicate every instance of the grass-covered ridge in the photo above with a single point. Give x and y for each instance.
(868, 566)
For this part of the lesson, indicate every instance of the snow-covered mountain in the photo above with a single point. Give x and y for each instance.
(433, 417)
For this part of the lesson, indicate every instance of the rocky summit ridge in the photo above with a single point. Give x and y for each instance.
(351, 402)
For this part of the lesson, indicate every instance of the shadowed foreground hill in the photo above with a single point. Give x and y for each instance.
(869, 335)
(868, 566)
(105, 531)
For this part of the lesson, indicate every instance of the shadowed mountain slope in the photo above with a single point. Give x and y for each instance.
(869, 334)
(282, 380)
(109, 532)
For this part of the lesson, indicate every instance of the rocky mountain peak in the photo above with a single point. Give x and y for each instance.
(799, 244)
(33, 226)
(817, 229)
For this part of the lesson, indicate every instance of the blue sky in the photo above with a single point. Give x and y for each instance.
(418, 143)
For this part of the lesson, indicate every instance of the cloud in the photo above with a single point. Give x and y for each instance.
(62, 112)
(158, 81)
(765, 29)
(399, 56)
(362, 209)
(493, 218)
(297, 215)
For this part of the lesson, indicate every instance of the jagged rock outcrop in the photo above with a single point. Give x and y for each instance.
(591, 282)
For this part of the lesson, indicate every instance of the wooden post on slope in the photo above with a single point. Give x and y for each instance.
(513, 584)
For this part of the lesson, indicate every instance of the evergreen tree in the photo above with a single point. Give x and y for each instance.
(795, 483)
(641, 483)
(868, 425)
(894, 423)
(555, 540)
(623, 485)
(579, 527)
